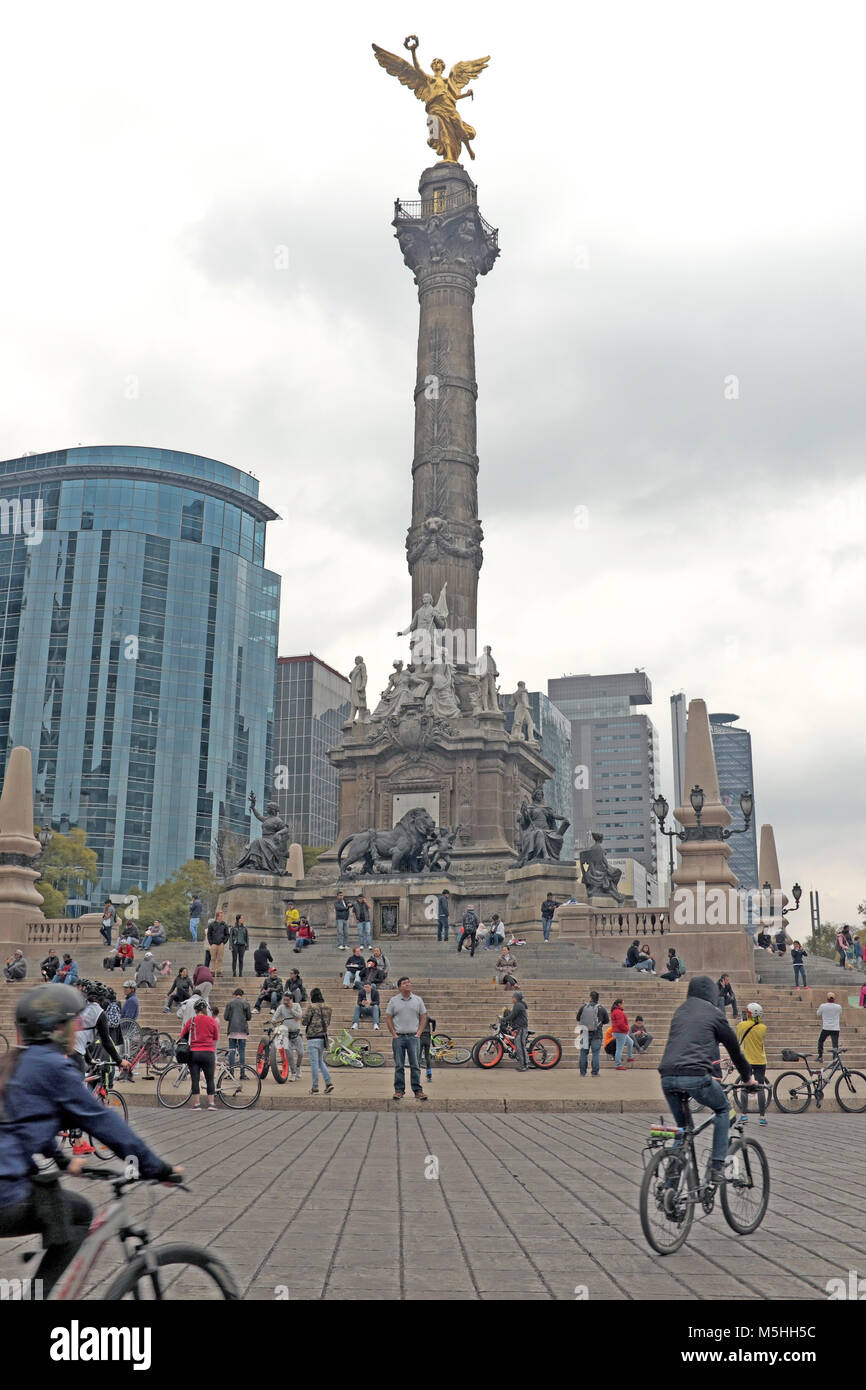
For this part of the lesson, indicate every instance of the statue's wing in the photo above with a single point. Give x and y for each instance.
(463, 73)
(406, 73)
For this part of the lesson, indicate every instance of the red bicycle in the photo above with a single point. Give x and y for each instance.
(542, 1050)
(75, 1140)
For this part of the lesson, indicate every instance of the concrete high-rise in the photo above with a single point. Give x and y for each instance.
(679, 719)
(311, 704)
(615, 757)
(138, 632)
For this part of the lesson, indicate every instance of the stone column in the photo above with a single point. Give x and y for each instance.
(704, 857)
(768, 872)
(447, 244)
(20, 903)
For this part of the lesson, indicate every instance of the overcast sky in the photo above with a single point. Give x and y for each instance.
(680, 200)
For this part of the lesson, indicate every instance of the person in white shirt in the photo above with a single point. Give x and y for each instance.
(830, 1015)
(186, 1011)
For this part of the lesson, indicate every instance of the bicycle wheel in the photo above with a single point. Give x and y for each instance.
(374, 1059)
(490, 1053)
(115, 1101)
(851, 1092)
(262, 1053)
(545, 1052)
(792, 1092)
(748, 1103)
(239, 1089)
(746, 1190)
(666, 1208)
(455, 1056)
(181, 1272)
(160, 1053)
(279, 1064)
(440, 1040)
(174, 1087)
(4, 1043)
(334, 1059)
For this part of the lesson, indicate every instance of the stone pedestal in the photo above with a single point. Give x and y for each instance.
(260, 898)
(20, 903)
(529, 886)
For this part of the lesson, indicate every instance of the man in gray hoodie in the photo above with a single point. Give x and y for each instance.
(697, 1029)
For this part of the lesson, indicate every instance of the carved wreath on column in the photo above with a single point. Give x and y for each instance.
(437, 539)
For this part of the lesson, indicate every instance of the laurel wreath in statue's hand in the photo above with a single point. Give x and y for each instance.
(411, 42)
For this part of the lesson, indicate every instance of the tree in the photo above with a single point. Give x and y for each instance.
(227, 848)
(67, 867)
(823, 942)
(169, 903)
(311, 854)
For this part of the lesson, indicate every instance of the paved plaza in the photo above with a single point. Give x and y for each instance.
(339, 1205)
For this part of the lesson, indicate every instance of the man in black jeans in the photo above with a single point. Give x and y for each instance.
(443, 907)
(470, 928)
(726, 995)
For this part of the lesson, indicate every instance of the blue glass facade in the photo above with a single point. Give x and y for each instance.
(733, 753)
(138, 634)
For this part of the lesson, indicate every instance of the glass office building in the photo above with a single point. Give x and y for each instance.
(311, 705)
(733, 753)
(138, 634)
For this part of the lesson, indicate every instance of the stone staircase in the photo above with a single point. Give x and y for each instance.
(463, 997)
(820, 972)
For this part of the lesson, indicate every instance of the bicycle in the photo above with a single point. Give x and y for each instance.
(152, 1273)
(349, 1051)
(444, 1050)
(153, 1048)
(542, 1050)
(237, 1087)
(672, 1189)
(744, 1096)
(793, 1091)
(273, 1053)
(4, 1043)
(99, 1082)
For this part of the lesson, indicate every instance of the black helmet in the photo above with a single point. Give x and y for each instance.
(41, 1011)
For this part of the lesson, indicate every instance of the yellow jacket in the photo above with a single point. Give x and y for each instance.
(750, 1036)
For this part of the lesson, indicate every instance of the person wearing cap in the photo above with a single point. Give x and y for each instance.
(146, 972)
(517, 1019)
(751, 1034)
(41, 1094)
(130, 1003)
(16, 968)
(470, 927)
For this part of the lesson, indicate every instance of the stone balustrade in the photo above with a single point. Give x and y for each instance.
(56, 931)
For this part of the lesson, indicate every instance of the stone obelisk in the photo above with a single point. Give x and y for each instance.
(20, 903)
(447, 244)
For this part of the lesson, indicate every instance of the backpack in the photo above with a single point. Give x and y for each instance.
(588, 1017)
(112, 1015)
(681, 965)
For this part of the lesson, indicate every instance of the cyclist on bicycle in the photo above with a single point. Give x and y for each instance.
(40, 1094)
(92, 1032)
(697, 1028)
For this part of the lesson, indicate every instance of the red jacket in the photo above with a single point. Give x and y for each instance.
(618, 1021)
(305, 931)
(203, 1033)
(127, 949)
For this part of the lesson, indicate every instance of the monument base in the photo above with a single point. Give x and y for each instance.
(259, 898)
(529, 886)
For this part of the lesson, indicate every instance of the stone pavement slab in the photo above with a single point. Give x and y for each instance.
(343, 1205)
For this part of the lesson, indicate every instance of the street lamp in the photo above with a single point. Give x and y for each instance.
(701, 831)
(660, 809)
(45, 836)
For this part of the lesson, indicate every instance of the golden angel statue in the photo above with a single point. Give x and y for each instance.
(448, 133)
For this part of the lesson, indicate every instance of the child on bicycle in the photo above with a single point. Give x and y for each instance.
(750, 1035)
